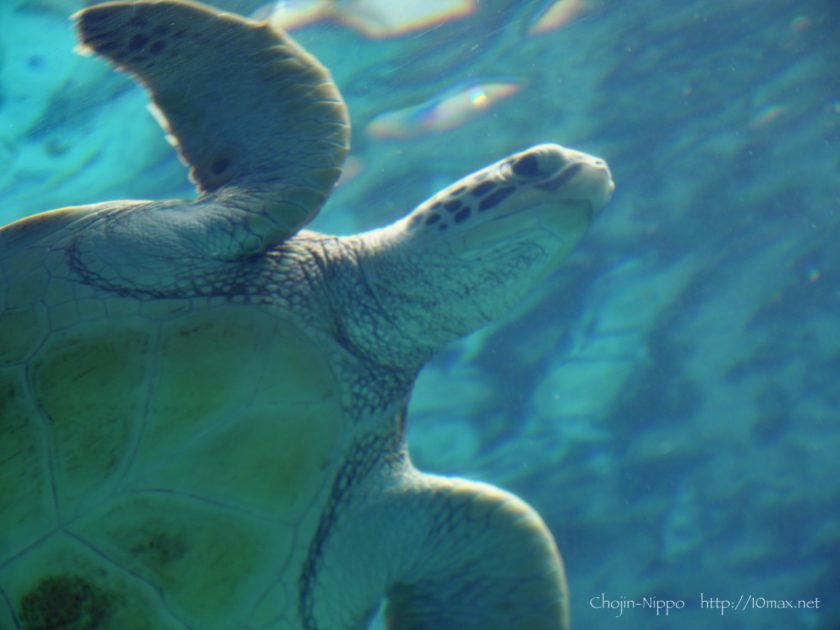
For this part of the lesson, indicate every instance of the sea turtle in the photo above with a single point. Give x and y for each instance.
(202, 407)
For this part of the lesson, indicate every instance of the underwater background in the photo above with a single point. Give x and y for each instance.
(670, 400)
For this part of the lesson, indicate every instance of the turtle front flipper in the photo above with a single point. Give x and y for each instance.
(481, 558)
(259, 120)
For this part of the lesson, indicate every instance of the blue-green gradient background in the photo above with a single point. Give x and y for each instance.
(670, 400)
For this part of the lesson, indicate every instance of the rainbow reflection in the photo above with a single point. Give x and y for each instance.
(452, 109)
(558, 15)
(376, 19)
(292, 14)
(767, 115)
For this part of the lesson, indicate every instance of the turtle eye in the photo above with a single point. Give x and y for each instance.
(526, 166)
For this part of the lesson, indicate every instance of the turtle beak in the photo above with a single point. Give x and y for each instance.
(581, 177)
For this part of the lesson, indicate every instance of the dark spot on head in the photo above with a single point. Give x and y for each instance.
(35, 62)
(527, 166)
(443, 226)
(158, 47)
(137, 42)
(436, 205)
(65, 601)
(219, 166)
(433, 218)
(453, 206)
(495, 198)
(463, 215)
(458, 190)
(483, 188)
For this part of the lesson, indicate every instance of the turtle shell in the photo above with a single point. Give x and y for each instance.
(159, 457)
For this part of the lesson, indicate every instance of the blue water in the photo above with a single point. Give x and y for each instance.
(670, 400)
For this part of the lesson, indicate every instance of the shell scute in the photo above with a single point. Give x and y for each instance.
(89, 384)
(75, 586)
(257, 389)
(21, 331)
(210, 562)
(26, 500)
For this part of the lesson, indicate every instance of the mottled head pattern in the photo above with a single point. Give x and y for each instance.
(552, 172)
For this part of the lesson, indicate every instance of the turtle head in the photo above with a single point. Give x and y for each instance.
(475, 249)
(544, 198)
